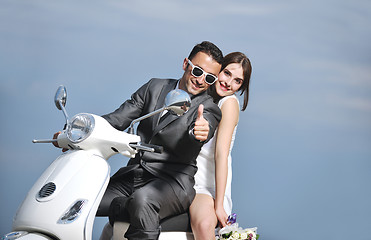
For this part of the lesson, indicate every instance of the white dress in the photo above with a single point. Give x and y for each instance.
(205, 176)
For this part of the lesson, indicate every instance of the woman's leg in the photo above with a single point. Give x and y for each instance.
(203, 218)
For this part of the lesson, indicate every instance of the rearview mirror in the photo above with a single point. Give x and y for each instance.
(60, 98)
(177, 102)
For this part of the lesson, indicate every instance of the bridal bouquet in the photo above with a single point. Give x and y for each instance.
(233, 232)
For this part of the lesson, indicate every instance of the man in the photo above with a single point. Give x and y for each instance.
(154, 186)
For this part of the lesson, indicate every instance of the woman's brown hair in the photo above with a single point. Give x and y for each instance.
(240, 58)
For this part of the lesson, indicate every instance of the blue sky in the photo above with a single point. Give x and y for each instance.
(302, 156)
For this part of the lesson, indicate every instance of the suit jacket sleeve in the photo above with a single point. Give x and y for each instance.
(213, 115)
(129, 110)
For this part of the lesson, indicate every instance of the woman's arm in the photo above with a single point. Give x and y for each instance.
(230, 114)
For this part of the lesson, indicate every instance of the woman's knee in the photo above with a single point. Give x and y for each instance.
(203, 218)
(206, 225)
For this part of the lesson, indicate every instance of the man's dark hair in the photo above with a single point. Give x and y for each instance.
(210, 49)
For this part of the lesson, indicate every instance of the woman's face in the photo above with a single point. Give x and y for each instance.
(230, 80)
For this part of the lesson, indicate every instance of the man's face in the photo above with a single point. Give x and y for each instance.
(195, 85)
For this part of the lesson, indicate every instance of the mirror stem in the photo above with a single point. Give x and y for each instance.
(131, 128)
(64, 111)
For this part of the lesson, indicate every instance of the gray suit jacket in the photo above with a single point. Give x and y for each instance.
(177, 162)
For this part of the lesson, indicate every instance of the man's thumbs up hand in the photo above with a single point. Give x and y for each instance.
(201, 129)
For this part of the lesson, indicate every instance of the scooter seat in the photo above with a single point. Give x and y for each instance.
(177, 223)
(174, 227)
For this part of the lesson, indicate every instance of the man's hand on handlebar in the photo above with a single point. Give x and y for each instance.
(55, 136)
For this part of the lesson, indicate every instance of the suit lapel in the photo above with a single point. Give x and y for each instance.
(195, 101)
(161, 102)
(166, 121)
(198, 99)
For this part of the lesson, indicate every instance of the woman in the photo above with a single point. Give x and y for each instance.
(213, 203)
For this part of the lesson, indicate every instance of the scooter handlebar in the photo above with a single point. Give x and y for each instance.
(146, 147)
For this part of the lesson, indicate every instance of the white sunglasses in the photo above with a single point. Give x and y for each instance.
(198, 72)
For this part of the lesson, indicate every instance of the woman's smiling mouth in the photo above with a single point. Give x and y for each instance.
(223, 87)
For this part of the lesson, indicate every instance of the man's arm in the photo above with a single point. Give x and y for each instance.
(129, 110)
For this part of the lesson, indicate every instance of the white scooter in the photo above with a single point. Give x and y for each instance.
(63, 202)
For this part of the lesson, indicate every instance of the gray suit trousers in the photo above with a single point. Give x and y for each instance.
(141, 199)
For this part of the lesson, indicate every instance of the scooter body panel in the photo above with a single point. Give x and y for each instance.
(73, 176)
(63, 202)
(26, 236)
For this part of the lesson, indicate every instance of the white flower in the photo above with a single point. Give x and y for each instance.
(236, 235)
(243, 235)
(226, 229)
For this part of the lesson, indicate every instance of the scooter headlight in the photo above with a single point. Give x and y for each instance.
(80, 127)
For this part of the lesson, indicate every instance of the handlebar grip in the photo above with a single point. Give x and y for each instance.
(158, 149)
(147, 147)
